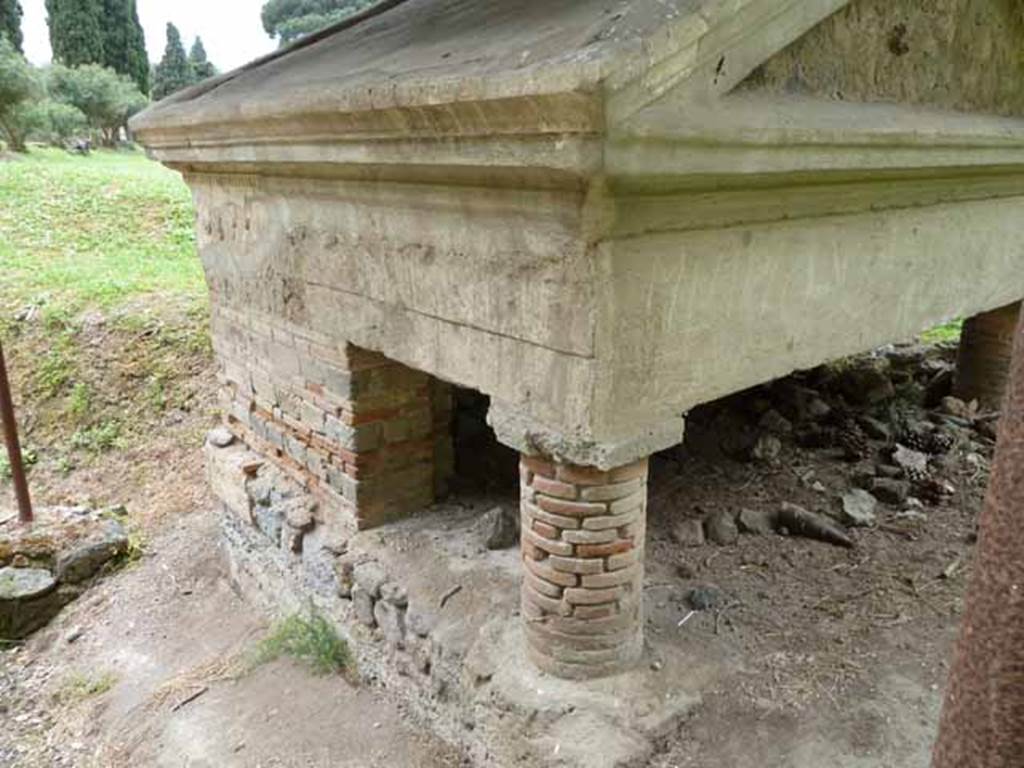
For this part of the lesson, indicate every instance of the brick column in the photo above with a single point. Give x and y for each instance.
(986, 346)
(582, 548)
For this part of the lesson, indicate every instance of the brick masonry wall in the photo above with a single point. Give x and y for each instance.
(582, 548)
(370, 436)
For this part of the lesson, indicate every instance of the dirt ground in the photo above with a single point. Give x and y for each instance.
(825, 655)
(167, 629)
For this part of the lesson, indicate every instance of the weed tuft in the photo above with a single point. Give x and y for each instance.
(79, 687)
(308, 638)
(100, 438)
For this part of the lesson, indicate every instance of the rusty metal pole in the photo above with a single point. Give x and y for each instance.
(983, 718)
(13, 448)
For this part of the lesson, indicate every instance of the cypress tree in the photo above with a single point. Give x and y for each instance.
(10, 23)
(201, 66)
(138, 58)
(124, 46)
(76, 31)
(173, 72)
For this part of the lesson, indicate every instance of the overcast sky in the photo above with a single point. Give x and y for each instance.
(231, 29)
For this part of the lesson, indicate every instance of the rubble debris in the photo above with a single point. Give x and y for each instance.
(890, 490)
(501, 528)
(757, 522)
(688, 532)
(704, 598)
(801, 522)
(720, 528)
(220, 437)
(47, 565)
(858, 508)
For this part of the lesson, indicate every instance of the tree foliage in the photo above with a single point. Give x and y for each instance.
(76, 31)
(106, 98)
(288, 20)
(55, 122)
(173, 72)
(19, 85)
(201, 66)
(10, 23)
(124, 43)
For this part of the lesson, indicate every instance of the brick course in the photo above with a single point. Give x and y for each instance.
(582, 547)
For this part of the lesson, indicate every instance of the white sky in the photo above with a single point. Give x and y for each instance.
(231, 29)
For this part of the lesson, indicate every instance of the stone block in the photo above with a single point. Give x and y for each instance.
(362, 604)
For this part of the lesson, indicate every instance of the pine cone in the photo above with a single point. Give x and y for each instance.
(913, 436)
(917, 476)
(931, 491)
(940, 442)
(855, 444)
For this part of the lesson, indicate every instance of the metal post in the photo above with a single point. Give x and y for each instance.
(13, 448)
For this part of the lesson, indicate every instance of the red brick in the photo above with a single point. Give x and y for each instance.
(544, 571)
(559, 521)
(606, 522)
(590, 537)
(554, 488)
(530, 552)
(579, 565)
(570, 473)
(538, 465)
(624, 560)
(547, 604)
(547, 531)
(603, 550)
(627, 575)
(581, 596)
(543, 586)
(553, 547)
(601, 611)
(569, 508)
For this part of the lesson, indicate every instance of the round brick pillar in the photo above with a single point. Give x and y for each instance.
(583, 561)
(983, 367)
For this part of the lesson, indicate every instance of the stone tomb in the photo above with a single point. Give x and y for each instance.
(599, 214)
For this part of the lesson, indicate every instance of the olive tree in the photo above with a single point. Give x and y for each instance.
(106, 98)
(19, 85)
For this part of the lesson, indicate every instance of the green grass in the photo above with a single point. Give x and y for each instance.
(946, 332)
(310, 639)
(78, 686)
(103, 305)
(93, 231)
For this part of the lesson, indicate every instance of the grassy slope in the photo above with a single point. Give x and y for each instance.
(96, 230)
(103, 315)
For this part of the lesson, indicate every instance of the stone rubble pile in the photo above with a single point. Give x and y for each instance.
(889, 418)
(46, 565)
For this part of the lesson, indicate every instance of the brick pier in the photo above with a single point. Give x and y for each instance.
(983, 367)
(582, 550)
(365, 433)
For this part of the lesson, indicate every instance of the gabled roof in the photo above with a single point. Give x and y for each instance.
(425, 54)
(634, 91)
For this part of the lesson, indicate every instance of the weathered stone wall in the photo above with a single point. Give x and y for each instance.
(494, 291)
(963, 55)
(698, 315)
